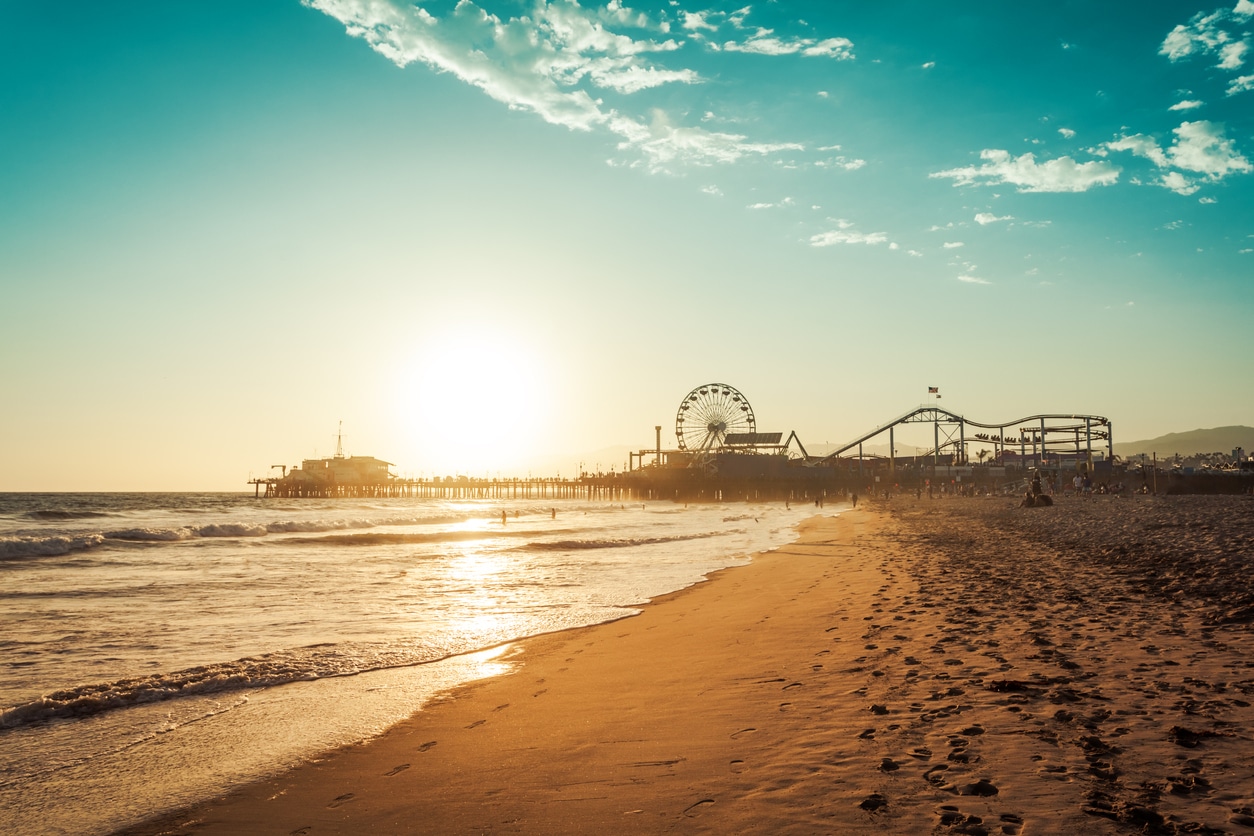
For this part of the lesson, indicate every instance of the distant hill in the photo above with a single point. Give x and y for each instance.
(1217, 440)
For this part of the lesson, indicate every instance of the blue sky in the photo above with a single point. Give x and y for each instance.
(498, 236)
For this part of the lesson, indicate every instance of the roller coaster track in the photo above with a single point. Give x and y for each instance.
(1039, 426)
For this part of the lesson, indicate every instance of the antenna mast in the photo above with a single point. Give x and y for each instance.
(339, 442)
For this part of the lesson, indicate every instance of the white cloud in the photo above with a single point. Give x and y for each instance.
(1199, 147)
(1241, 84)
(845, 234)
(841, 162)
(1066, 132)
(929, 65)
(953, 245)
(1186, 105)
(1202, 147)
(986, 218)
(663, 144)
(712, 190)
(914, 253)
(1211, 34)
(529, 63)
(764, 42)
(1063, 174)
(695, 22)
(554, 63)
(1200, 35)
(1178, 183)
(1207, 200)
(788, 201)
(972, 279)
(1141, 146)
(1232, 56)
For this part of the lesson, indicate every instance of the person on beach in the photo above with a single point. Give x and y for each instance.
(855, 500)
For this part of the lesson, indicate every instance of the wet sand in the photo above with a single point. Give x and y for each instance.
(959, 666)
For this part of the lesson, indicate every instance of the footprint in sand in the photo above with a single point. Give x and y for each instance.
(1011, 823)
(736, 735)
(300, 831)
(396, 770)
(982, 788)
(695, 809)
(738, 766)
(424, 747)
(343, 799)
(476, 724)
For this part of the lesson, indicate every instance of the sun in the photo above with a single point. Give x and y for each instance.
(476, 401)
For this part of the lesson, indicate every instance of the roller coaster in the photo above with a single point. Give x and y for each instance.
(1039, 438)
(715, 421)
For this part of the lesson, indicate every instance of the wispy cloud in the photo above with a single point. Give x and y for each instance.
(1199, 148)
(788, 201)
(841, 162)
(846, 234)
(765, 42)
(953, 245)
(1241, 84)
(986, 218)
(1219, 33)
(972, 279)
(1063, 174)
(559, 62)
(1187, 104)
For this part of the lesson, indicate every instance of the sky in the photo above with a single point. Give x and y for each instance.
(506, 237)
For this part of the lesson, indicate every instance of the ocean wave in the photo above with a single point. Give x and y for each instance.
(385, 538)
(171, 535)
(14, 548)
(57, 514)
(298, 665)
(141, 535)
(622, 543)
(230, 530)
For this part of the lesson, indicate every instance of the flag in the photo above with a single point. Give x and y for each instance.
(933, 390)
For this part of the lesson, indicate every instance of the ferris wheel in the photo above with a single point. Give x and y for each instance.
(709, 413)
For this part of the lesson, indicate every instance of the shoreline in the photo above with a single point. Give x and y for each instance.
(897, 668)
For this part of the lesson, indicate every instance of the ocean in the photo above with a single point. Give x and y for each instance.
(158, 649)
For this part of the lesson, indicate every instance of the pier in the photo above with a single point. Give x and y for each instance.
(722, 456)
(609, 488)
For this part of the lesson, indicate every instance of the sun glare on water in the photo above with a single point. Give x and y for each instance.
(474, 402)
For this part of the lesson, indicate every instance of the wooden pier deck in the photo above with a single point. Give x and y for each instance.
(610, 488)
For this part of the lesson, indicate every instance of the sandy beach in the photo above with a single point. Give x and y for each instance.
(958, 666)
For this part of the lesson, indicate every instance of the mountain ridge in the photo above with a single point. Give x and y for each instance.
(1214, 440)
